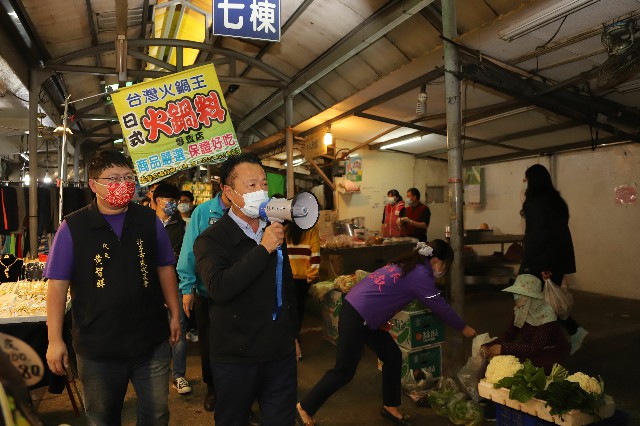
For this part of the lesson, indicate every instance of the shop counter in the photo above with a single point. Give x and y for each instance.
(341, 261)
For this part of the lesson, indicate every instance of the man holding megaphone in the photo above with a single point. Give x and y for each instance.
(242, 259)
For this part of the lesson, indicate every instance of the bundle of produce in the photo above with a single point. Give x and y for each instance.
(559, 397)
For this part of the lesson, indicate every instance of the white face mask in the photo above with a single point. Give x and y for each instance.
(390, 200)
(252, 201)
(183, 207)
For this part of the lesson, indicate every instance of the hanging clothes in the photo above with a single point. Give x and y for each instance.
(9, 220)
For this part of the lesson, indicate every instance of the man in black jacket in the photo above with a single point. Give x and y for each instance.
(253, 305)
(165, 198)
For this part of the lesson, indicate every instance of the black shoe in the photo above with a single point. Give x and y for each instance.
(210, 401)
(405, 420)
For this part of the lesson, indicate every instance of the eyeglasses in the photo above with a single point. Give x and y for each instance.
(118, 179)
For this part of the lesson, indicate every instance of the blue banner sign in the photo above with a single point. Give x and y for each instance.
(256, 19)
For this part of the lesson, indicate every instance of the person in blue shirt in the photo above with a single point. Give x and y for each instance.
(194, 292)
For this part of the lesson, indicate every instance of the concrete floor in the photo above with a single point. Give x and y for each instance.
(611, 350)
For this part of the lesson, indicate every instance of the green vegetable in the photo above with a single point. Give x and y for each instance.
(438, 400)
(564, 396)
(525, 384)
(558, 374)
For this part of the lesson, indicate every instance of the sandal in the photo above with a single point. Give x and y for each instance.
(299, 418)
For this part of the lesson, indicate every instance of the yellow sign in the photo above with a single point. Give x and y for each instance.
(175, 123)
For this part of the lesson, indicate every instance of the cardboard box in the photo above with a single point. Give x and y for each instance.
(413, 361)
(415, 329)
(428, 358)
(331, 305)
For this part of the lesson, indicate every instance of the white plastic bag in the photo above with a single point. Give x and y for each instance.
(471, 373)
(558, 297)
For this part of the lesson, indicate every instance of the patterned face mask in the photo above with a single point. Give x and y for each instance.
(170, 208)
(119, 194)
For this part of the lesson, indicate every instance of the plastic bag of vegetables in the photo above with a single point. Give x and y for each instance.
(463, 412)
(439, 397)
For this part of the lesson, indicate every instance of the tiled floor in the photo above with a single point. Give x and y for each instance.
(612, 350)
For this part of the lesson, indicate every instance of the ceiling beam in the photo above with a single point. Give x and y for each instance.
(598, 113)
(368, 32)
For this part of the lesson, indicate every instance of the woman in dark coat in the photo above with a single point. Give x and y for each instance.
(548, 247)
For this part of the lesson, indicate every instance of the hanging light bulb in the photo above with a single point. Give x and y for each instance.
(328, 137)
(47, 178)
(26, 179)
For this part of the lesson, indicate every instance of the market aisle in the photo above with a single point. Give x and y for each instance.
(611, 350)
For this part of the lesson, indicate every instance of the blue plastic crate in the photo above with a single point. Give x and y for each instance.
(506, 416)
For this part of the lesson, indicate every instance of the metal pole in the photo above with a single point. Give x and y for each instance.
(76, 160)
(63, 153)
(288, 118)
(34, 91)
(454, 154)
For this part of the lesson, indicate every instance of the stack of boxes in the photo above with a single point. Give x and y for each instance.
(419, 334)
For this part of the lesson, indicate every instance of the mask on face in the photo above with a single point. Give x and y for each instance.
(119, 193)
(183, 207)
(390, 200)
(252, 201)
(408, 203)
(170, 208)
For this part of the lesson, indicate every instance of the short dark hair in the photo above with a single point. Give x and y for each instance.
(106, 159)
(414, 192)
(227, 169)
(166, 190)
(187, 194)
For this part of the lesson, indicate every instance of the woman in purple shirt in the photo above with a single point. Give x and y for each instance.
(368, 306)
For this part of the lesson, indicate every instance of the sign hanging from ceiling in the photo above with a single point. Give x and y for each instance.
(175, 123)
(256, 19)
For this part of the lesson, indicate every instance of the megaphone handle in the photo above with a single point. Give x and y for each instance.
(279, 266)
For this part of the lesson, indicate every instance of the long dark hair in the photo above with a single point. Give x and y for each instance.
(395, 193)
(539, 185)
(441, 250)
(293, 233)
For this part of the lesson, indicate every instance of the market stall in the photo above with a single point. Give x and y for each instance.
(23, 328)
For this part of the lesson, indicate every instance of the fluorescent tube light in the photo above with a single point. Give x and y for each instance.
(406, 141)
(544, 17)
(296, 162)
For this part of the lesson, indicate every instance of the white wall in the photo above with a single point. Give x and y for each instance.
(382, 171)
(605, 234)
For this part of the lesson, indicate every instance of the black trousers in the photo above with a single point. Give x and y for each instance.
(201, 308)
(273, 384)
(354, 334)
(302, 288)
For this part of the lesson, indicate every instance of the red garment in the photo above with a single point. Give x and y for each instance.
(415, 213)
(392, 212)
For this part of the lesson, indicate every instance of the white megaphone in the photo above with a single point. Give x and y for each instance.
(303, 210)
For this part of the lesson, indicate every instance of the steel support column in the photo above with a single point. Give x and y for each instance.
(288, 118)
(36, 79)
(454, 147)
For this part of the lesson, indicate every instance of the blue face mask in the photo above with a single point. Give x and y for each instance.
(170, 208)
(408, 203)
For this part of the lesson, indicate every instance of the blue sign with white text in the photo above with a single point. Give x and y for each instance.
(256, 19)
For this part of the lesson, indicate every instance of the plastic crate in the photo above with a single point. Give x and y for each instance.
(619, 418)
(506, 416)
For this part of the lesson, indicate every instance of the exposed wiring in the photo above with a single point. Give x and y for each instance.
(554, 34)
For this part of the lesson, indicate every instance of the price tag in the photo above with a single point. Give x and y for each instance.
(24, 358)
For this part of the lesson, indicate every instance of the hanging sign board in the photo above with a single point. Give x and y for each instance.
(256, 19)
(175, 123)
(314, 146)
